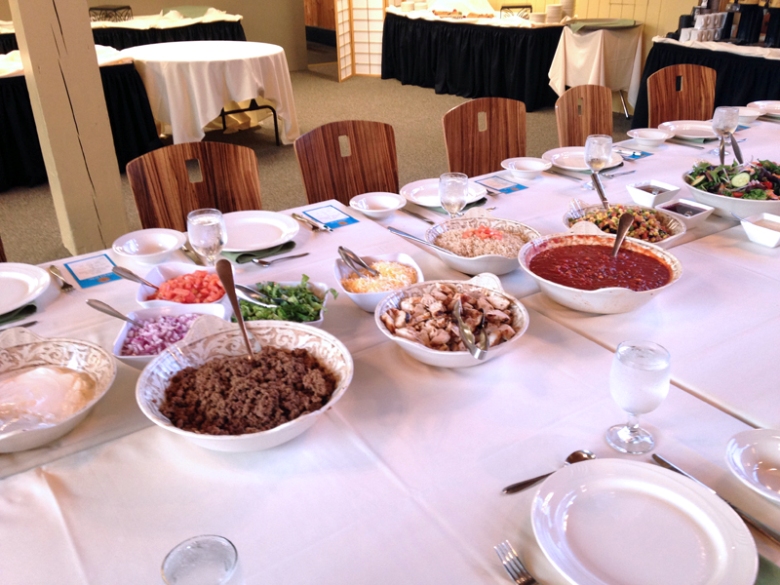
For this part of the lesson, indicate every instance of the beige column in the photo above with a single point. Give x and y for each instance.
(66, 92)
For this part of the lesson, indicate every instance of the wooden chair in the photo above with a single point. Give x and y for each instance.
(581, 111)
(170, 182)
(480, 133)
(2, 253)
(680, 92)
(342, 159)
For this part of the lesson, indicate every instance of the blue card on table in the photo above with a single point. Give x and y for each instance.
(498, 184)
(330, 216)
(92, 271)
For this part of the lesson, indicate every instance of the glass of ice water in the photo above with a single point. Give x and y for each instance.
(202, 560)
(453, 192)
(207, 234)
(638, 382)
(724, 123)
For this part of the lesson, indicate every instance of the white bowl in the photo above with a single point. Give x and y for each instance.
(377, 205)
(486, 283)
(748, 114)
(369, 301)
(492, 263)
(754, 458)
(674, 227)
(320, 289)
(760, 234)
(210, 338)
(140, 361)
(149, 246)
(526, 167)
(666, 192)
(22, 349)
(731, 206)
(649, 136)
(691, 219)
(164, 272)
(602, 301)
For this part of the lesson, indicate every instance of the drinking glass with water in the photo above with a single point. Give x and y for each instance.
(207, 234)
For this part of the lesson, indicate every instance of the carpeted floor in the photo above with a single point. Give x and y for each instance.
(28, 224)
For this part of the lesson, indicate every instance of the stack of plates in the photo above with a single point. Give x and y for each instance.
(769, 108)
(554, 13)
(568, 7)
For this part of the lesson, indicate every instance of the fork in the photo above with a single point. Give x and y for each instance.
(513, 565)
(65, 286)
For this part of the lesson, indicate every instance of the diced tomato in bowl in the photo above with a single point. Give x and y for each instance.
(181, 283)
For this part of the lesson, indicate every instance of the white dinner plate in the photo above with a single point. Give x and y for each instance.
(572, 158)
(256, 230)
(768, 107)
(690, 129)
(20, 284)
(754, 457)
(426, 192)
(618, 522)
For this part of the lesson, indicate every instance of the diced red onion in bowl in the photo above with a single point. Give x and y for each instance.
(156, 334)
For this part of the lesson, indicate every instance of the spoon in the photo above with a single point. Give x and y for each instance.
(130, 275)
(624, 223)
(253, 296)
(600, 189)
(476, 344)
(109, 310)
(576, 457)
(267, 263)
(225, 273)
(356, 263)
(419, 240)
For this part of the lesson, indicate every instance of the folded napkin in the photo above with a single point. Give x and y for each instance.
(244, 257)
(594, 24)
(16, 314)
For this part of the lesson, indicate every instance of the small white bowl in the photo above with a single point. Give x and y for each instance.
(369, 301)
(150, 246)
(754, 458)
(492, 263)
(139, 361)
(748, 115)
(691, 218)
(377, 205)
(164, 272)
(761, 234)
(642, 196)
(526, 167)
(649, 136)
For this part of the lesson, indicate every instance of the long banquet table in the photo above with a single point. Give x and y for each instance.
(400, 481)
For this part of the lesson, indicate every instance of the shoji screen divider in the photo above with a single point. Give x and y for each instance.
(359, 37)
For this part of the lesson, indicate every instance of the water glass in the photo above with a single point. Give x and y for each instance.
(202, 560)
(207, 234)
(453, 192)
(724, 123)
(638, 382)
(598, 151)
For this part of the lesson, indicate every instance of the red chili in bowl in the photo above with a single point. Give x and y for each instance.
(591, 267)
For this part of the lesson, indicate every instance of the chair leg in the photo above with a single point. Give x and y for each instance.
(623, 101)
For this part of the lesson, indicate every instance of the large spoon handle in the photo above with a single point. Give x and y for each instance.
(600, 190)
(624, 224)
(225, 273)
(130, 275)
(737, 150)
(109, 310)
(521, 485)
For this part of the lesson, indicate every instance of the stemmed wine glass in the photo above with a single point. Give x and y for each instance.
(453, 192)
(598, 154)
(638, 382)
(724, 122)
(207, 233)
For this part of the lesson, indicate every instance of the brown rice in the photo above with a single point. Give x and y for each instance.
(464, 242)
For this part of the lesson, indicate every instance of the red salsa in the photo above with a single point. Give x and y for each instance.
(591, 267)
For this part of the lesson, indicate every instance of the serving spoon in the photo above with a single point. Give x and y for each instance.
(130, 275)
(109, 310)
(575, 457)
(624, 223)
(225, 273)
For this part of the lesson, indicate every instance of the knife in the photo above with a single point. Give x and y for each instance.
(759, 526)
(561, 173)
(684, 143)
(312, 224)
(418, 216)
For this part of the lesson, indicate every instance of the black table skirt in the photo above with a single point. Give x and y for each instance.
(741, 79)
(122, 38)
(132, 125)
(471, 60)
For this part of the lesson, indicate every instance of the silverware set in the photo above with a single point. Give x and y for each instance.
(313, 225)
(65, 286)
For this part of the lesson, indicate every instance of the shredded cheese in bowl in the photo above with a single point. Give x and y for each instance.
(392, 276)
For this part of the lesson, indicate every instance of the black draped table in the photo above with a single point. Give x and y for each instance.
(123, 38)
(471, 60)
(132, 125)
(741, 79)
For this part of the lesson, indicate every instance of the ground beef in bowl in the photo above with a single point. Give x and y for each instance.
(235, 396)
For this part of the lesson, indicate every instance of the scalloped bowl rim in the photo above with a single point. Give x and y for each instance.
(681, 230)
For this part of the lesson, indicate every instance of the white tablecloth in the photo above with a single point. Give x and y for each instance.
(609, 57)
(189, 83)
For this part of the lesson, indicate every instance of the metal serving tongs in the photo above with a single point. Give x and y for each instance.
(477, 344)
(355, 262)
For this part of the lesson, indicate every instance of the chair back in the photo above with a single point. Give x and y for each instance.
(480, 133)
(342, 159)
(680, 92)
(581, 111)
(171, 181)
